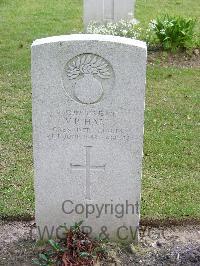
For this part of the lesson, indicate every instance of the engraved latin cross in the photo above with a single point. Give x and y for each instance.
(88, 168)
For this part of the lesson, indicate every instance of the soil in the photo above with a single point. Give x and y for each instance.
(180, 59)
(175, 245)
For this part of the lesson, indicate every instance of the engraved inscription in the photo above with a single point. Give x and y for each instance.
(87, 77)
(88, 167)
(89, 124)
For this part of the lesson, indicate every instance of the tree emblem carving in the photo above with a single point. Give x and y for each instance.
(88, 71)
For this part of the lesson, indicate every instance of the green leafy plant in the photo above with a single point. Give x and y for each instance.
(174, 32)
(75, 249)
(43, 260)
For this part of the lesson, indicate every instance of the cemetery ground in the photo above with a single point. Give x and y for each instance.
(171, 187)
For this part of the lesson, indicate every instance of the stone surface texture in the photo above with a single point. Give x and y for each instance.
(88, 116)
(103, 11)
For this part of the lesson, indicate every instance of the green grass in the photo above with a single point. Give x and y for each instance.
(147, 10)
(171, 185)
(170, 177)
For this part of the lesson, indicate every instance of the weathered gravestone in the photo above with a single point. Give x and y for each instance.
(88, 117)
(103, 11)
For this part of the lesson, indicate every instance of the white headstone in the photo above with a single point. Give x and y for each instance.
(103, 11)
(88, 117)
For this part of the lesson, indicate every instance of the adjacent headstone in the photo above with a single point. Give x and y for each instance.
(88, 118)
(103, 11)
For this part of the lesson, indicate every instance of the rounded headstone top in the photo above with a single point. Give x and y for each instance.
(90, 37)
